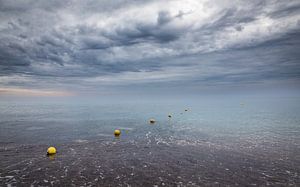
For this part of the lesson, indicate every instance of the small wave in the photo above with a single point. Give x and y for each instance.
(81, 141)
(34, 128)
(104, 135)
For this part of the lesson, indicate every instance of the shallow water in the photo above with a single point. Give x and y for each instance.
(249, 141)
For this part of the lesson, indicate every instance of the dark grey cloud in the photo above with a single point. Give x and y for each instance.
(84, 45)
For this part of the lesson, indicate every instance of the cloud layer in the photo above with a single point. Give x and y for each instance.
(94, 45)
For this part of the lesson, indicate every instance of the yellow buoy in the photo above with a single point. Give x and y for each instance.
(51, 151)
(117, 132)
(152, 121)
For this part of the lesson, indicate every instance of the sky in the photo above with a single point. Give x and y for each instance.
(122, 47)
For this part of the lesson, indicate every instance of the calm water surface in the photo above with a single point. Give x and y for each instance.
(243, 142)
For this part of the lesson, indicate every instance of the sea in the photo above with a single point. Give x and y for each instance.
(199, 141)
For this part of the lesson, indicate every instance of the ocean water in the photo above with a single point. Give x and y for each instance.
(207, 141)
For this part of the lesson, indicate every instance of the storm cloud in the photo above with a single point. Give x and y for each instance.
(100, 45)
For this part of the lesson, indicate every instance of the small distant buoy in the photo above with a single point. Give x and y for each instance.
(51, 151)
(169, 116)
(186, 110)
(117, 132)
(152, 121)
